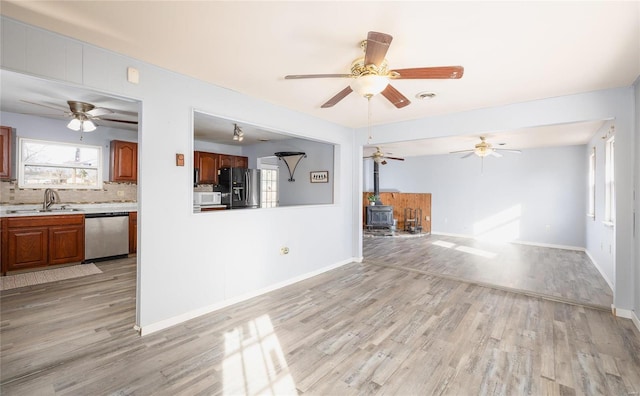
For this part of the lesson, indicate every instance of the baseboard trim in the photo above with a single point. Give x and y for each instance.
(166, 323)
(548, 245)
(595, 263)
(635, 320)
(622, 313)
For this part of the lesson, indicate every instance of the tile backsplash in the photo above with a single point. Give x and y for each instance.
(11, 194)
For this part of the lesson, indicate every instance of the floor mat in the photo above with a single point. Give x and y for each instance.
(52, 275)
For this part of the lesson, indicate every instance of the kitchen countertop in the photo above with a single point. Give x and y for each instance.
(81, 209)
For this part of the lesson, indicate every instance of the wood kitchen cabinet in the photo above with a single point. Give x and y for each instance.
(5, 152)
(39, 241)
(124, 161)
(226, 161)
(207, 165)
(66, 244)
(233, 161)
(240, 162)
(133, 232)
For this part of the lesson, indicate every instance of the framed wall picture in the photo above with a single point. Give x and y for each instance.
(319, 177)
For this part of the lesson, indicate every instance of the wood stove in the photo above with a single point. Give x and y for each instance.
(379, 216)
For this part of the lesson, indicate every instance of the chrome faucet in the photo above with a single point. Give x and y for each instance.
(49, 198)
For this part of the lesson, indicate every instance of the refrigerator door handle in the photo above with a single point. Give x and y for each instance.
(247, 188)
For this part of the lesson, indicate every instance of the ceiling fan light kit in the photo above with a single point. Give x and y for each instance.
(369, 85)
(78, 124)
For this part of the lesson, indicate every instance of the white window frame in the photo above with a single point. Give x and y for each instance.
(591, 210)
(263, 202)
(22, 164)
(609, 182)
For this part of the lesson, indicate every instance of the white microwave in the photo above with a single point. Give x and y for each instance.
(207, 198)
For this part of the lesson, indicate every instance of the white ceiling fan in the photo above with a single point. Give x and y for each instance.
(484, 149)
(84, 115)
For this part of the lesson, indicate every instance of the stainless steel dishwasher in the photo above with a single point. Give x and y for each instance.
(106, 235)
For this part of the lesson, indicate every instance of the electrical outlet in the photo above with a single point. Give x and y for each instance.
(284, 250)
(120, 193)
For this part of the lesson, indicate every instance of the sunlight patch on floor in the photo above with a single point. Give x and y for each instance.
(475, 251)
(444, 244)
(254, 362)
(465, 249)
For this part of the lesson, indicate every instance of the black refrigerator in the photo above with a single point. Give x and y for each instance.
(241, 187)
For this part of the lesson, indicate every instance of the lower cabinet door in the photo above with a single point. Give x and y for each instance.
(27, 248)
(66, 244)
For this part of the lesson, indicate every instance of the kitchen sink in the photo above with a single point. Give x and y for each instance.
(53, 210)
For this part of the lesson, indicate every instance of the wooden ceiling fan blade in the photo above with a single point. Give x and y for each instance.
(395, 97)
(394, 158)
(377, 47)
(441, 72)
(299, 76)
(338, 97)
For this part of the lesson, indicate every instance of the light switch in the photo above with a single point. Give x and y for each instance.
(179, 159)
(133, 76)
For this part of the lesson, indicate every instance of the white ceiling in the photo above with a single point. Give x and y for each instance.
(511, 51)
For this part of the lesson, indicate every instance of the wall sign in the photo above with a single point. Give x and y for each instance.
(319, 177)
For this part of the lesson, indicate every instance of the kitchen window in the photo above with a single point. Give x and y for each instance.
(45, 164)
(610, 183)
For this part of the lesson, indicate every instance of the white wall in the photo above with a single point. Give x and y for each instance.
(537, 196)
(56, 130)
(210, 147)
(189, 264)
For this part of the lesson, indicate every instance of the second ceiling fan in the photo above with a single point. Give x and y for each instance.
(381, 157)
(371, 74)
(484, 149)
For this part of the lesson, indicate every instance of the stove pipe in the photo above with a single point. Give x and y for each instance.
(376, 179)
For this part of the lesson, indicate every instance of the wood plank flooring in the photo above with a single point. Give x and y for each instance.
(362, 329)
(564, 275)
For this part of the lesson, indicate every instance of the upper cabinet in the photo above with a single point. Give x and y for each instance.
(124, 161)
(207, 165)
(225, 161)
(5, 152)
(240, 162)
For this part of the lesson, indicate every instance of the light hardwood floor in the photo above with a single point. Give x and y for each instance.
(361, 329)
(563, 275)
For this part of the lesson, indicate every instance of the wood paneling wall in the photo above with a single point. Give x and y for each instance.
(400, 201)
